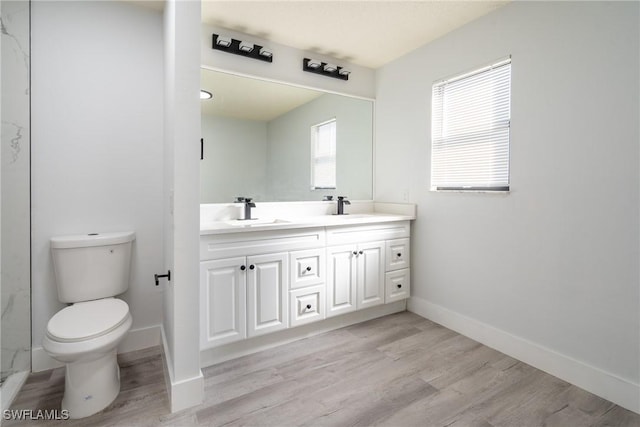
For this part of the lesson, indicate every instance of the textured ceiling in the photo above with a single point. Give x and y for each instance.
(367, 33)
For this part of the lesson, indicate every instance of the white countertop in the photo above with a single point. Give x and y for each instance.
(283, 222)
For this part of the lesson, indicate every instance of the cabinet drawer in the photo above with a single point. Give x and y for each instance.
(398, 254)
(306, 305)
(307, 268)
(397, 285)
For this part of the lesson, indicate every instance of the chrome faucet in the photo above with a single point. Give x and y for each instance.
(248, 204)
(342, 200)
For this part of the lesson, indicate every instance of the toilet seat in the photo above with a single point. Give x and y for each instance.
(87, 320)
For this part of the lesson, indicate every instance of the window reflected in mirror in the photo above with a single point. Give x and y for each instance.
(323, 156)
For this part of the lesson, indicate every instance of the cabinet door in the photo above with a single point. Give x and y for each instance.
(371, 261)
(222, 302)
(341, 279)
(267, 287)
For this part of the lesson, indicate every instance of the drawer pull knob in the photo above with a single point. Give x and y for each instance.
(355, 253)
(251, 267)
(308, 268)
(308, 306)
(399, 254)
(399, 285)
(243, 267)
(360, 252)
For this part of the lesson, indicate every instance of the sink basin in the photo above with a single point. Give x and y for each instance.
(256, 222)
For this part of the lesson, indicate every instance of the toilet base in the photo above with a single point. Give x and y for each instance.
(91, 386)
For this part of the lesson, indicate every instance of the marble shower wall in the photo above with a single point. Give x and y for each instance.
(15, 287)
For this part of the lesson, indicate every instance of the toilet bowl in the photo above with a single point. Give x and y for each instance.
(85, 336)
(90, 270)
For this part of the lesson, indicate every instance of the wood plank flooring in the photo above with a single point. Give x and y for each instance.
(398, 370)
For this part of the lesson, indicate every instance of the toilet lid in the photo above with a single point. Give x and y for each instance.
(86, 320)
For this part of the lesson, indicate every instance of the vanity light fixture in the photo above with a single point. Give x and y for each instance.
(242, 48)
(324, 68)
(205, 95)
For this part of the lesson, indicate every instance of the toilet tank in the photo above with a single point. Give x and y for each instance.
(91, 266)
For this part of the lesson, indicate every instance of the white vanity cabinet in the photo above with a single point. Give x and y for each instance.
(257, 282)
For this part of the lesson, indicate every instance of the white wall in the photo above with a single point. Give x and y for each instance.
(286, 66)
(555, 262)
(235, 159)
(97, 91)
(289, 152)
(181, 213)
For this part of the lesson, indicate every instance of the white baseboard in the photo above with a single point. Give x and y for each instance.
(601, 383)
(182, 394)
(136, 339)
(237, 349)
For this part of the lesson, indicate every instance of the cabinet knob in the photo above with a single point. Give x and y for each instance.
(355, 253)
(399, 254)
(308, 306)
(243, 268)
(399, 285)
(360, 252)
(251, 267)
(308, 268)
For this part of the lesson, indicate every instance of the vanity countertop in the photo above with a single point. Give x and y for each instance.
(283, 222)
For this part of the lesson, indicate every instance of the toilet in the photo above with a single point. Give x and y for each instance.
(90, 270)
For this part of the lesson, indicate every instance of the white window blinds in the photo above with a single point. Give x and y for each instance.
(470, 130)
(323, 155)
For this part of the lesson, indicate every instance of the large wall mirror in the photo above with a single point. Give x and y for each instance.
(275, 142)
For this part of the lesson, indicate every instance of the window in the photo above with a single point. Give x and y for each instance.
(323, 155)
(470, 122)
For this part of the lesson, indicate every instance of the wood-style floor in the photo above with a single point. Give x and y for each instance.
(398, 370)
